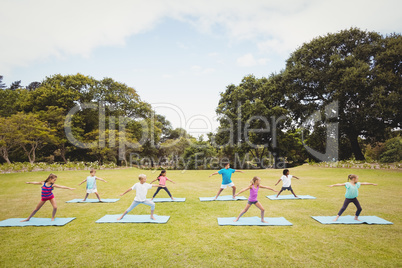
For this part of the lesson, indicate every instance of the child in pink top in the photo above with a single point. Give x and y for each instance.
(162, 182)
(253, 187)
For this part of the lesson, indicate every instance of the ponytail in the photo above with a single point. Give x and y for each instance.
(351, 176)
(254, 180)
(162, 171)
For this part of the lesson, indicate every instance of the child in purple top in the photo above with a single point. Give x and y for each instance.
(254, 187)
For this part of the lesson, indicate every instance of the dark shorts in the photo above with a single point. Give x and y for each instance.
(287, 188)
(251, 203)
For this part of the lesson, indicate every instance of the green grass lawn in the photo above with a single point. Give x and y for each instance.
(192, 237)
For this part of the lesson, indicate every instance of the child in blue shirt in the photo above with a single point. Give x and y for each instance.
(226, 173)
(351, 194)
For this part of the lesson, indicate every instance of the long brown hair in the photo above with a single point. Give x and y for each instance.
(51, 176)
(351, 176)
(162, 172)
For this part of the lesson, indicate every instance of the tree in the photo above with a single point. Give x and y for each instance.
(7, 141)
(9, 102)
(361, 70)
(31, 133)
(2, 85)
(199, 155)
(33, 86)
(55, 118)
(251, 117)
(15, 85)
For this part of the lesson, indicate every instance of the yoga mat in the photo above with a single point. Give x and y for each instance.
(35, 222)
(159, 200)
(223, 198)
(92, 201)
(290, 197)
(133, 219)
(247, 221)
(350, 220)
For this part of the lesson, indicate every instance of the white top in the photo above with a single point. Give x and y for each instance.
(142, 189)
(91, 182)
(286, 180)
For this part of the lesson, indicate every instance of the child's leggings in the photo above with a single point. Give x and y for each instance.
(164, 188)
(146, 202)
(346, 204)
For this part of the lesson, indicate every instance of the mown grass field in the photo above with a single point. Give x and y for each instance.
(192, 237)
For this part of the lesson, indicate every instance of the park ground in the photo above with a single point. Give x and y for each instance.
(192, 237)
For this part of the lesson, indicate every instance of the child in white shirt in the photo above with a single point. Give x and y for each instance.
(286, 180)
(141, 195)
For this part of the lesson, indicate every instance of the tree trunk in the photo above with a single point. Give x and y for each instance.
(63, 153)
(4, 154)
(357, 151)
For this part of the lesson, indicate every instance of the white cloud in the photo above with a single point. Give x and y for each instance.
(248, 60)
(46, 28)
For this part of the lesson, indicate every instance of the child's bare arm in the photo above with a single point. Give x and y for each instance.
(242, 190)
(368, 183)
(296, 177)
(100, 179)
(158, 185)
(82, 182)
(153, 181)
(216, 173)
(128, 190)
(239, 171)
(63, 187)
(338, 184)
(269, 188)
(170, 180)
(35, 182)
(278, 182)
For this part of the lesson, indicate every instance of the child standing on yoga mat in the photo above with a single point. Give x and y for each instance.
(91, 184)
(286, 180)
(141, 195)
(226, 173)
(252, 199)
(162, 182)
(47, 195)
(351, 194)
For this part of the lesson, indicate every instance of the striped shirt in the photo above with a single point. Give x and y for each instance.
(47, 192)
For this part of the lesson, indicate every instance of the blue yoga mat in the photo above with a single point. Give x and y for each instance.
(35, 222)
(290, 197)
(133, 219)
(93, 201)
(159, 200)
(223, 198)
(350, 220)
(247, 221)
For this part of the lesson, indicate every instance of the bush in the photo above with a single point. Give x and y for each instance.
(393, 150)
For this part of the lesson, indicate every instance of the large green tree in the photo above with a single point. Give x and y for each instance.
(360, 70)
(251, 117)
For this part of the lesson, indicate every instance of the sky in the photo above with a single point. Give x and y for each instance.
(179, 55)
